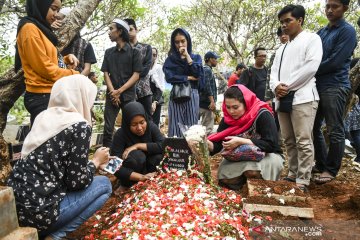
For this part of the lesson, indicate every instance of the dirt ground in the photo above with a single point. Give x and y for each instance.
(336, 208)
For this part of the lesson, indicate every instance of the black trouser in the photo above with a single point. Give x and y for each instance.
(110, 113)
(156, 115)
(146, 102)
(35, 103)
(331, 108)
(138, 162)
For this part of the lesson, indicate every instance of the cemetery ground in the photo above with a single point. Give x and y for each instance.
(336, 208)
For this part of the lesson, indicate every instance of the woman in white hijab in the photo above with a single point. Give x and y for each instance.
(54, 183)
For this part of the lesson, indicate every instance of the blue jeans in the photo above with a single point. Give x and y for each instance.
(79, 206)
(331, 107)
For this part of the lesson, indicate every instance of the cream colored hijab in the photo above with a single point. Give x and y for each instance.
(70, 102)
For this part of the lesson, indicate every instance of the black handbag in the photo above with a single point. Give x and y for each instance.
(181, 92)
(286, 102)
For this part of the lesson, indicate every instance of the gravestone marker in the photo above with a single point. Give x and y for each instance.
(177, 154)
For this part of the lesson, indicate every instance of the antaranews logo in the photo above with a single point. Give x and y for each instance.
(314, 231)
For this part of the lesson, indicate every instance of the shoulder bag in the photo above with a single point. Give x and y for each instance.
(246, 152)
(181, 92)
(286, 101)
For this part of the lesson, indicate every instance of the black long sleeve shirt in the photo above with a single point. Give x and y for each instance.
(265, 127)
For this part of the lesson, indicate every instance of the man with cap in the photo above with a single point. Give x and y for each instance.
(234, 78)
(122, 67)
(78, 46)
(143, 89)
(208, 94)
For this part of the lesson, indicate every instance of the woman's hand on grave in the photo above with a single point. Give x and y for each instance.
(149, 176)
(101, 157)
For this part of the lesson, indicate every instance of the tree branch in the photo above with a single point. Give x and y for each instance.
(12, 84)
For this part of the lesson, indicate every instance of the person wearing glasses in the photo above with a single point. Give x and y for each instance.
(254, 78)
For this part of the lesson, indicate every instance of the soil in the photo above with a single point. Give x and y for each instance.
(272, 201)
(278, 187)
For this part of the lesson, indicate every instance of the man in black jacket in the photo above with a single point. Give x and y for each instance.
(254, 78)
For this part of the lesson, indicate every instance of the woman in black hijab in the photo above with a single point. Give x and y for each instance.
(37, 54)
(138, 142)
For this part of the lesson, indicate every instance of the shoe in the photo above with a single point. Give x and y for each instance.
(289, 179)
(323, 179)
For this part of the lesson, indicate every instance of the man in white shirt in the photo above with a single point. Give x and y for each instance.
(293, 72)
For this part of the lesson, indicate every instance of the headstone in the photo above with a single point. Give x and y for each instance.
(177, 154)
(8, 216)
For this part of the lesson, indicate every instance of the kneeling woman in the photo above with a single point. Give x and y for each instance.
(54, 183)
(242, 112)
(138, 142)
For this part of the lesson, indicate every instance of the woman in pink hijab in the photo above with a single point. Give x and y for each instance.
(245, 113)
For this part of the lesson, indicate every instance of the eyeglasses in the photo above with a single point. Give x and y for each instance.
(261, 56)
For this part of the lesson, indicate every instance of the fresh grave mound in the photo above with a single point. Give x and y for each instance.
(282, 196)
(284, 188)
(173, 205)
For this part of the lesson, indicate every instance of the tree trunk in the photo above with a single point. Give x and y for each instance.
(12, 84)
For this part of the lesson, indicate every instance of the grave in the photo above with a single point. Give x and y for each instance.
(281, 196)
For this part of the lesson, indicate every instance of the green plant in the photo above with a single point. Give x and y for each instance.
(99, 116)
(19, 110)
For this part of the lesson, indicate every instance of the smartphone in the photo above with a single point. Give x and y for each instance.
(113, 165)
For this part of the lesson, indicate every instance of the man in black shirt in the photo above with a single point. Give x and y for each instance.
(81, 48)
(254, 78)
(121, 67)
(143, 89)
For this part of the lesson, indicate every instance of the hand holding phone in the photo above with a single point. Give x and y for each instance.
(101, 156)
(113, 165)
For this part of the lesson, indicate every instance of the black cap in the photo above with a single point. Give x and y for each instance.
(210, 54)
(240, 66)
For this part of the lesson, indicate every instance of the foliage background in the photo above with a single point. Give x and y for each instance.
(232, 28)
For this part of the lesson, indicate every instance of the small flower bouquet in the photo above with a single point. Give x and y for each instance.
(197, 141)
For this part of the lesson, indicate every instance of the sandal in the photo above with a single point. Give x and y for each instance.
(322, 180)
(289, 179)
